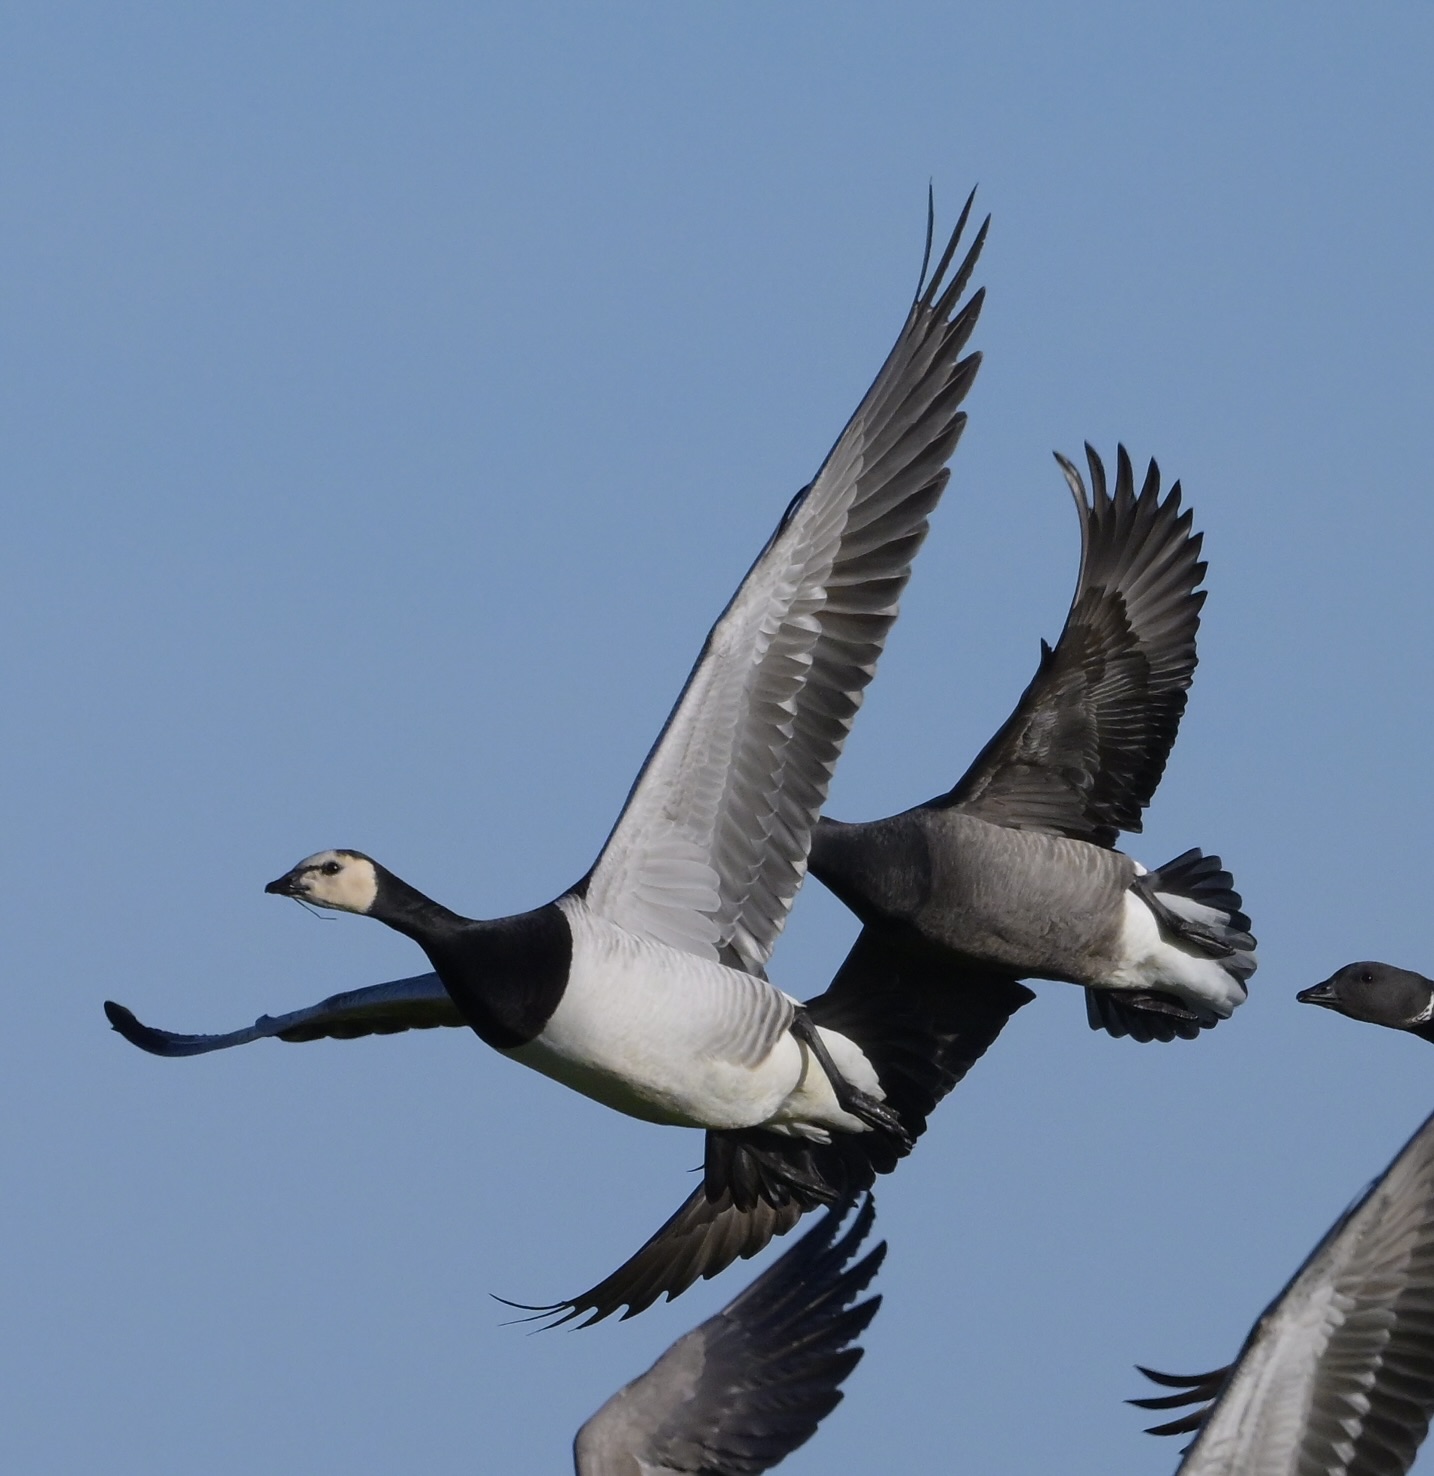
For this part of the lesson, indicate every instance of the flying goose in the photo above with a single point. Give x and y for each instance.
(1014, 868)
(1380, 994)
(1009, 875)
(741, 1392)
(642, 986)
(1337, 1376)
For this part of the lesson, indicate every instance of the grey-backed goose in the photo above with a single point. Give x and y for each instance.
(1337, 1376)
(642, 986)
(1380, 994)
(741, 1392)
(1013, 869)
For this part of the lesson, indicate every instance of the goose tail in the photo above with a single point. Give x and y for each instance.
(1201, 915)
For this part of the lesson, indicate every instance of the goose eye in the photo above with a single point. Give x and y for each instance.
(1366, 977)
(331, 868)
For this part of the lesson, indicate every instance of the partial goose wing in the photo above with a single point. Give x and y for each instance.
(1337, 1376)
(922, 1023)
(746, 1388)
(711, 846)
(419, 1003)
(1085, 748)
(1201, 1389)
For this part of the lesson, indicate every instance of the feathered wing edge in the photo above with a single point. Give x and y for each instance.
(710, 848)
(1083, 751)
(1372, 1392)
(772, 1361)
(417, 1003)
(922, 1024)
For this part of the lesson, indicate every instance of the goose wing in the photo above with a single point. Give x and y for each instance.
(419, 1003)
(746, 1388)
(1337, 1376)
(1085, 748)
(922, 1023)
(711, 845)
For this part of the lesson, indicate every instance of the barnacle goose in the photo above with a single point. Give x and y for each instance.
(741, 1392)
(642, 986)
(1013, 869)
(1336, 1378)
(1380, 994)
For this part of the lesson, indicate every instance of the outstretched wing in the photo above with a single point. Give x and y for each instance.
(711, 846)
(1337, 1375)
(419, 1003)
(738, 1394)
(1085, 748)
(922, 1022)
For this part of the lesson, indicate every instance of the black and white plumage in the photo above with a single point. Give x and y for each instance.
(1013, 869)
(1380, 994)
(741, 1392)
(642, 986)
(1337, 1376)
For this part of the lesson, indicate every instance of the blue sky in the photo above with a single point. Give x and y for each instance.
(392, 397)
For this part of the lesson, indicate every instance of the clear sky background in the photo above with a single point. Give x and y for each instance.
(392, 396)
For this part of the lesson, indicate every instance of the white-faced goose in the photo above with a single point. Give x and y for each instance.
(1013, 870)
(1380, 994)
(642, 986)
(1337, 1376)
(741, 1392)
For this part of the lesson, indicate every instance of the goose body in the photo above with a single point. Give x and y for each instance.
(643, 985)
(664, 1036)
(1042, 906)
(1014, 868)
(1336, 1378)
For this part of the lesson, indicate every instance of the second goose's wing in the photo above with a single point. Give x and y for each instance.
(1337, 1376)
(419, 1003)
(742, 1391)
(711, 846)
(1086, 746)
(921, 1023)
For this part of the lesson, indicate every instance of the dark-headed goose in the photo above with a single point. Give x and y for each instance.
(642, 986)
(741, 1392)
(1337, 1376)
(1013, 869)
(1380, 994)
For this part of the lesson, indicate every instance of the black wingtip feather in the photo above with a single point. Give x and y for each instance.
(146, 1037)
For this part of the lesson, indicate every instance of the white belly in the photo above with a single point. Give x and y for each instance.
(668, 1037)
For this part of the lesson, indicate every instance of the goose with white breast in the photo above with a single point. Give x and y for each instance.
(643, 985)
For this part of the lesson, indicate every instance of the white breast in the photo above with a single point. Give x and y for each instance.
(663, 1035)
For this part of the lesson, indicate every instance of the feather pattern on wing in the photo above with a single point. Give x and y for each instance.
(419, 1003)
(1337, 1376)
(1085, 748)
(739, 1393)
(920, 1022)
(711, 845)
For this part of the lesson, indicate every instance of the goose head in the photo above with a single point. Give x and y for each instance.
(1378, 993)
(347, 881)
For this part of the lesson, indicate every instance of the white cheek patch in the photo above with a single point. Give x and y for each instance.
(354, 888)
(1426, 1014)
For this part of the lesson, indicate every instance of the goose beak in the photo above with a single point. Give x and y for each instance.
(1319, 994)
(286, 886)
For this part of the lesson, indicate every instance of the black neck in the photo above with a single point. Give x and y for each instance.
(505, 976)
(408, 911)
